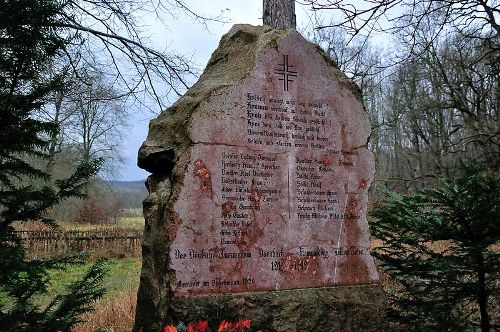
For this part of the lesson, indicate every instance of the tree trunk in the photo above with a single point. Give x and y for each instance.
(483, 301)
(279, 14)
(53, 142)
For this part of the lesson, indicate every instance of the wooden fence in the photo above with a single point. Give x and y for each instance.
(105, 243)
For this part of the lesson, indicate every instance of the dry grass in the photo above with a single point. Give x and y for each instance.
(116, 311)
(128, 222)
(112, 314)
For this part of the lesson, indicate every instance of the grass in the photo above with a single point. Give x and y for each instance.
(135, 223)
(112, 314)
(123, 277)
(116, 311)
(129, 223)
(131, 220)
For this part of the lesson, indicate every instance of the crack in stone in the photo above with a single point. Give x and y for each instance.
(280, 216)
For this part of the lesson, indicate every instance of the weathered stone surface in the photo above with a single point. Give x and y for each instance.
(260, 179)
(314, 309)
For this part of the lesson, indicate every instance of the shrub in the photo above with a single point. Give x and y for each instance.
(447, 289)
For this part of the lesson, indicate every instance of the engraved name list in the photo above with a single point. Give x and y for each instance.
(280, 202)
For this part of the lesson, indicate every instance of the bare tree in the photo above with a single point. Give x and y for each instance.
(95, 118)
(438, 104)
(91, 116)
(442, 111)
(108, 34)
(364, 63)
(472, 18)
(107, 47)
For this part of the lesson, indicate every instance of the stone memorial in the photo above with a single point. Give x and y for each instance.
(258, 193)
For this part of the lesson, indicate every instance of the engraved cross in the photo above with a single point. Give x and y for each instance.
(285, 72)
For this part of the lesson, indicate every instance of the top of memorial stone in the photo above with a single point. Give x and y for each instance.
(230, 64)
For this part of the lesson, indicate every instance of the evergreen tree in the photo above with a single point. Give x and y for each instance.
(438, 248)
(30, 42)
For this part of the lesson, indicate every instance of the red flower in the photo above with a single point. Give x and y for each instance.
(169, 328)
(242, 324)
(200, 326)
(225, 326)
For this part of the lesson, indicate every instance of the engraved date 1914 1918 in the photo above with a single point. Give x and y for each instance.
(290, 265)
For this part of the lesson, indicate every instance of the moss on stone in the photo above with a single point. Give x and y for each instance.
(229, 64)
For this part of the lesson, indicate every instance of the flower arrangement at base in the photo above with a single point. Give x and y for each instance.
(202, 326)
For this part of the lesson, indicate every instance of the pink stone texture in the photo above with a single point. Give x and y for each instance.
(275, 194)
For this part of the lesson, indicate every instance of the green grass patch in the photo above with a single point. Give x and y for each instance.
(130, 223)
(123, 276)
(136, 223)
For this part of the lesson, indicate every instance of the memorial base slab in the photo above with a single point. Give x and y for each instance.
(346, 308)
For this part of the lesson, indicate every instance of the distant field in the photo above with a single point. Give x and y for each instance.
(132, 223)
(132, 219)
(116, 311)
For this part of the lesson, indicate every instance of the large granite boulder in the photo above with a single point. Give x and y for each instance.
(258, 194)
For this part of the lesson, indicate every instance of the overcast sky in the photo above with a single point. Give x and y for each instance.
(188, 37)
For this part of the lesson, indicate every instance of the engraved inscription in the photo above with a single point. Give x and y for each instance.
(281, 203)
(286, 122)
